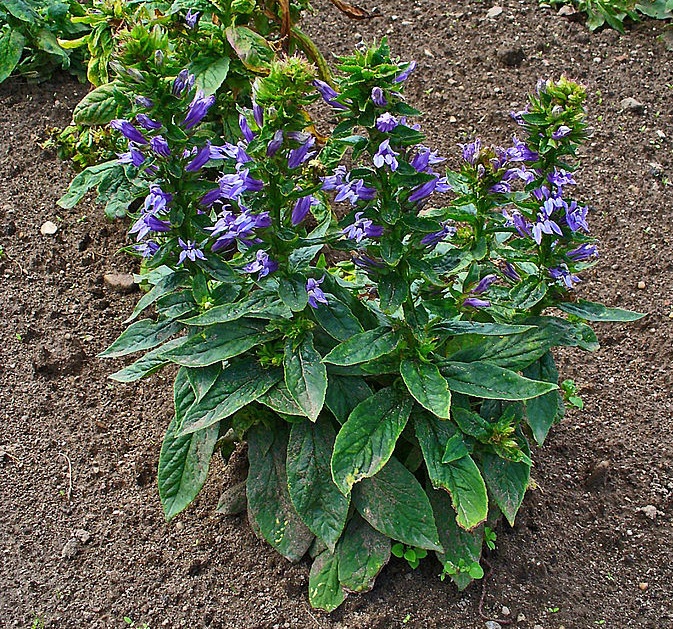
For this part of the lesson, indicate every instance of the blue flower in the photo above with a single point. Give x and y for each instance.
(262, 264)
(128, 131)
(183, 83)
(198, 109)
(378, 97)
(544, 223)
(314, 292)
(147, 123)
(132, 156)
(386, 122)
(362, 228)
(192, 18)
(386, 155)
(438, 184)
(245, 128)
(159, 145)
(561, 272)
(471, 151)
(299, 155)
(189, 251)
(146, 249)
(583, 252)
(561, 132)
(353, 191)
(576, 217)
(433, 239)
(302, 208)
(328, 94)
(404, 75)
(476, 302)
(200, 160)
(561, 178)
(425, 158)
(275, 143)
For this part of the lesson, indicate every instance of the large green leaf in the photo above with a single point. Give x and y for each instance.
(252, 49)
(507, 482)
(142, 335)
(393, 292)
(98, 107)
(219, 342)
(364, 347)
(210, 73)
(316, 498)
(305, 376)
(591, 311)
(22, 10)
(183, 397)
(202, 379)
(362, 552)
(278, 399)
(485, 380)
(543, 411)
(337, 320)
(457, 542)
(460, 477)
(165, 285)
(183, 466)
(395, 504)
(259, 302)
(86, 180)
(456, 328)
(236, 386)
(292, 291)
(11, 48)
(428, 386)
(269, 504)
(147, 364)
(344, 393)
(324, 590)
(367, 440)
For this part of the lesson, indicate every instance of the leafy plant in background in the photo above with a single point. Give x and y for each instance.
(34, 36)
(386, 363)
(615, 12)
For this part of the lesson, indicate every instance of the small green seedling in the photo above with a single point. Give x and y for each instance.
(411, 554)
(473, 569)
(570, 395)
(489, 538)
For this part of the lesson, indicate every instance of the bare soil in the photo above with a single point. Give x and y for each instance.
(82, 534)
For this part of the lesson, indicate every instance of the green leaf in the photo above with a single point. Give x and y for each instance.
(202, 379)
(455, 448)
(393, 292)
(428, 386)
(591, 311)
(364, 347)
(98, 107)
(457, 542)
(292, 291)
(11, 49)
(542, 412)
(147, 364)
(278, 399)
(183, 467)
(258, 302)
(22, 10)
(471, 423)
(337, 319)
(167, 284)
(210, 73)
(252, 49)
(456, 328)
(324, 590)
(305, 376)
(528, 293)
(86, 180)
(142, 335)
(461, 477)
(367, 440)
(316, 498)
(394, 503)
(362, 553)
(485, 380)
(219, 342)
(506, 481)
(269, 504)
(183, 397)
(344, 393)
(238, 385)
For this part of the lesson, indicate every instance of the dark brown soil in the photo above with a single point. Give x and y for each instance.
(83, 538)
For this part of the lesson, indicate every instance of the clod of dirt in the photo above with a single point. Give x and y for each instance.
(48, 228)
(71, 549)
(598, 476)
(632, 105)
(649, 511)
(512, 57)
(82, 535)
(120, 282)
(63, 357)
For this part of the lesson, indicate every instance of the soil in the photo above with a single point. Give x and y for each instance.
(83, 539)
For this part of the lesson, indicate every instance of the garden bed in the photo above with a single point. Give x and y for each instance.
(83, 536)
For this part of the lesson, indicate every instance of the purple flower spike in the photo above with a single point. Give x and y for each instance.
(404, 75)
(562, 273)
(471, 151)
(378, 97)
(438, 184)
(275, 144)
(183, 83)
(198, 109)
(576, 217)
(189, 251)
(146, 249)
(386, 155)
(583, 252)
(362, 228)
(160, 147)
(561, 178)
(157, 200)
(261, 264)
(132, 156)
(192, 18)
(147, 123)
(299, 155)
(302, 208)
(258, 114)
(386, 122)
(475, 302)
(245, 128)
(561, 132)
(200, 160)
(484, 284)
(354, 191)
(329, 94)
(314, 292)
(128, 131)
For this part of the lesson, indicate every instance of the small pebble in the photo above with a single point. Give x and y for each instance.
(120, 282)
(48, 228)
(494, 12)
(453, 119)
(641, 285)
(521, 618)
(492, 624)
(649, 511)
(632, 105)
(505, 611)
(643, 586)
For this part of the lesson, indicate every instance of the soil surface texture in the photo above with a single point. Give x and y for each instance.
(82, 534)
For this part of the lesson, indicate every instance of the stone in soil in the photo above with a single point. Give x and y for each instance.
(120, 282)
(494, 12)
(632, 105)
(48, 228)
(511, 56)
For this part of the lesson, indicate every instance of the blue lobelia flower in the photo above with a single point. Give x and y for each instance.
(516, 220)
(145, 102)
(362, 228)
(386, 122)
(561, 132)
(438, 184)
(471, 151)
(146, 249)
(183, 83)
(404, 75)
(245, 128)
(192, 18)
(353, 191)
(200, 160)
(198, 109)
(189, 251)
(433, 239)
(583, 252)
(147, 123)
(544, 223)
(476, 302)
(302, 208)
(275, 144)
(159, 145)
(132, 156)
(128, 131)
(425, 158)
(576, 216)
(561, 178)
(561, 272)
(299, 155)
(262, 264)
(378, 97)
(329, 95)
(314, 292)
(386, 155)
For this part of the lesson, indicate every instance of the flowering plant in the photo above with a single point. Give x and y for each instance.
(374, 328)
